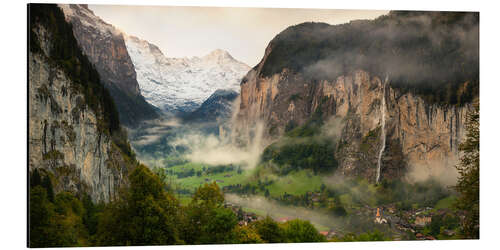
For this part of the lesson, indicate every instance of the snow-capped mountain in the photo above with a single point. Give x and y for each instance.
(182, 84)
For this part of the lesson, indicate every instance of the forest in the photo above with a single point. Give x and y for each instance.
(147, 213)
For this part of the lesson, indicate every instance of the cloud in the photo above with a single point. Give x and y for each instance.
(443, 171)
(214, 150)
(277, 211)
(412, 49)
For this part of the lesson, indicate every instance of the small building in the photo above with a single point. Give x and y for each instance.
(378, 217)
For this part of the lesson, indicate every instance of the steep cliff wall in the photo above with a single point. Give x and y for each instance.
(68, 139)
(424, 66)
(105, 47)
(418, 134)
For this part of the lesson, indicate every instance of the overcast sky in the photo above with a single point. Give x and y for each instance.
(195, 31)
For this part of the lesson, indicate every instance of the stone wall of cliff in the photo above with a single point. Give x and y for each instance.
(417, 134)
(66, 137)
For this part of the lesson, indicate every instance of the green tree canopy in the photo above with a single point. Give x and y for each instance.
(269, 230)
(468, 180)
(146, 216)
(301, 231)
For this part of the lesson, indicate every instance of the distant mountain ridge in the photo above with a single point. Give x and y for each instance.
(182, 84)
(218, 107)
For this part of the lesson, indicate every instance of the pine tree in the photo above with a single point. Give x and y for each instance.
(47, 184)
(35, 178)
(468, 180)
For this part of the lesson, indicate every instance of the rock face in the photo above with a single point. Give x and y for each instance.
(343, 74)
(418, 134)
(64, 137)
(182, 84)
(218, 107)
(105, 47)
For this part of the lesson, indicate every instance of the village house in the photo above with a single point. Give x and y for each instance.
(378, 217)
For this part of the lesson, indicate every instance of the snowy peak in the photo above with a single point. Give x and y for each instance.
(182, 84)
(219, 56)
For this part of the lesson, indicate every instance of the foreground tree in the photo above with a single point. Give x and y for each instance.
(269, 230)
(246, 234)
(297, 231)
(147, 215)
(205, 220)
(468, 180)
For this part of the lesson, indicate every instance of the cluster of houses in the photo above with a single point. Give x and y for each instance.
(411, 220)
(245, 217)
(404, 221)
(408, 221)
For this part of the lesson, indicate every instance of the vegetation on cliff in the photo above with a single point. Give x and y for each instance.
(65, 53)
(303, 147)
(432, 54)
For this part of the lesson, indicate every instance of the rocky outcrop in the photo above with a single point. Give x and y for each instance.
(343, 75)
(105, 47)
(217, 108)
(418, 134)
(66, 139)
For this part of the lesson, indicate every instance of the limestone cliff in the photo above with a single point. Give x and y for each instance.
(418, 134)
(69, 139)
(398, 88)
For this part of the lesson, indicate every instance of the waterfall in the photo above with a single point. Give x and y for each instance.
(382, 110)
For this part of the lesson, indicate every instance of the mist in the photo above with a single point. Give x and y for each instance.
(152, 131)
(412, 48)
(225, 148)
(218, 150)
(277, 211)
(443, 171)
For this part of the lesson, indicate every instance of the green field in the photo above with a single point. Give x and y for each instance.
(191, 183)
(295, 183)
(446, 202)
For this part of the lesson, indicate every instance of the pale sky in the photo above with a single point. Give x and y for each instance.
(196, 31)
